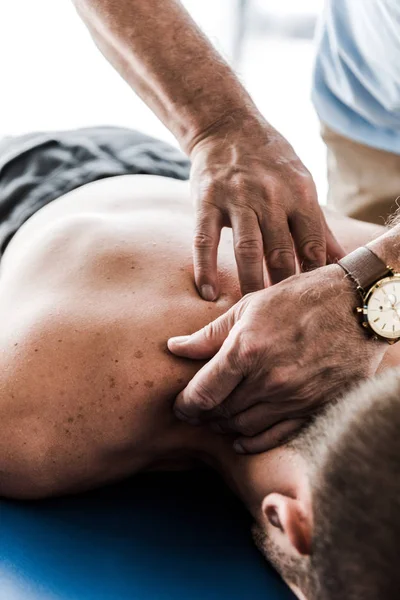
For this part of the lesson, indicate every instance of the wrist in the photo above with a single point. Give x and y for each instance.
(345, 287)
(232, 118)
(346, 295)
(387, 248)
(353, 302)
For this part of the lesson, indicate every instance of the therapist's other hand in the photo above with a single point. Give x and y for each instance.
(278, 355)
(245, 175)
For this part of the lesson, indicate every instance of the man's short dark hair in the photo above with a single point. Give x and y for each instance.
(353, 450)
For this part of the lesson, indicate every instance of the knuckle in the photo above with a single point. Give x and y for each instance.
(309, 189)
(279, 377)
(304, 192)
(221, 412)
(313, 248)
(208, 331)
(248, 444)
(248, 347)
(203, 241)
(241, 425)
(238, 181)
(280, 258)
(273, 186)
(249, 249)
(211, 331)
(207, 196)
(237, 313)
(246, 299)
(313, 242)
(305, 177)
(238, 189)
(202, 398)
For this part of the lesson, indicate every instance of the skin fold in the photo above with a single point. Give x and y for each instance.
(91, 288)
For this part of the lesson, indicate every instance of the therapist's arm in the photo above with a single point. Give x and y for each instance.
(160, 52)
(244, 173)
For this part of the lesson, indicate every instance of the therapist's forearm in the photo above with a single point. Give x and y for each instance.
(387, 246)
(162, 54)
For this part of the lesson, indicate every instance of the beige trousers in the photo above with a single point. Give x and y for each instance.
(364, 183)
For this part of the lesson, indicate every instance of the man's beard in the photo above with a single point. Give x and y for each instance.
(294, 571)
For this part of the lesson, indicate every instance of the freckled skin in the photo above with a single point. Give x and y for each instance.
(88, 366)
(77, 349)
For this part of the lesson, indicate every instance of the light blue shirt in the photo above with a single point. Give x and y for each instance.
(356, 88)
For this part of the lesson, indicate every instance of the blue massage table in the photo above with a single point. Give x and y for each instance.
(164, 536)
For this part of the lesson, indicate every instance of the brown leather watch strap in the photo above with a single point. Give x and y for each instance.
(364, 267)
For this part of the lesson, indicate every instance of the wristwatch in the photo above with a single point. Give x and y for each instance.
(379, 287)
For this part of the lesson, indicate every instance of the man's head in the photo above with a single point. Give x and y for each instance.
(339, 536)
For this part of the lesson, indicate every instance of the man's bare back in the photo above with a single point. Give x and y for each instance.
(91, 288)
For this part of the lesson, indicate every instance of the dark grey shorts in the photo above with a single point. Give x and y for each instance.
(37, 168)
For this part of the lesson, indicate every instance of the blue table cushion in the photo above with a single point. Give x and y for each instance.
(161, 536)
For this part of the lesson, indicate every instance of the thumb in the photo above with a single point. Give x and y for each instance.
(207, 341)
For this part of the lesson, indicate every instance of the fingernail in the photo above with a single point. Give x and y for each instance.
(207, 292)
(237, 446)
(182, 417)
(181, 339)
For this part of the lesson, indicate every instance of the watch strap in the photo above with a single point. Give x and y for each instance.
(364, 267)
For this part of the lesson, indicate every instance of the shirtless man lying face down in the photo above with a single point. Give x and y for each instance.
(91, 288)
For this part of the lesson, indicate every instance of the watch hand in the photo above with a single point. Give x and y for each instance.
(387, 295)
(391, 298)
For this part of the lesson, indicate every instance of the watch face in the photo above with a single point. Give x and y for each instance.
(383, 308)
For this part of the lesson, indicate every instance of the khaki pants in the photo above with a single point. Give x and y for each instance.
(364, 183)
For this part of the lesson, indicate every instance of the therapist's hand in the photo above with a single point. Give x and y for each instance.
(278, 355)
(245, 175)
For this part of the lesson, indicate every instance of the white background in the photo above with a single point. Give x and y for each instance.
(53, 77)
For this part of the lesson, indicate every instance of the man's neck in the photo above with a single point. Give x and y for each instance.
(253, 477)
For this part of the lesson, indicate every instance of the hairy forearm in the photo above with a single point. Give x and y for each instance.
(387, 246)
(383, 241)
(161, 53)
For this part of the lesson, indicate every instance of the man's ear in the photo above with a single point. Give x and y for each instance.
(291, 520)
